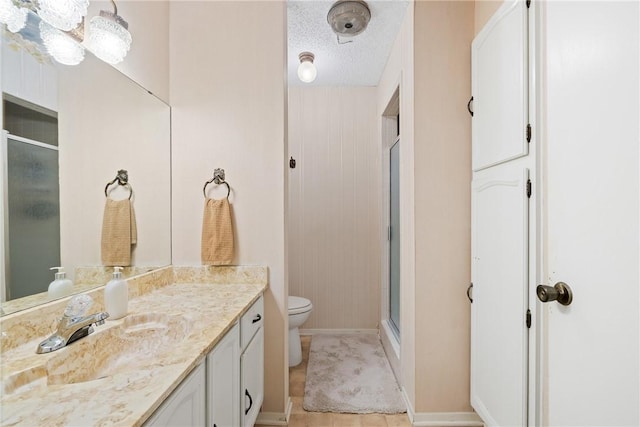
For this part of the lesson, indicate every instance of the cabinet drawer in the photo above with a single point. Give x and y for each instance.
(251, 321)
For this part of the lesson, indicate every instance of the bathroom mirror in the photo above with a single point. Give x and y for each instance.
(67, 131)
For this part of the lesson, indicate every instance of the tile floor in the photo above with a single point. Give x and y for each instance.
(302, 418)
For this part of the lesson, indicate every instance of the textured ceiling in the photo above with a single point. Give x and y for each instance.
(359, 63)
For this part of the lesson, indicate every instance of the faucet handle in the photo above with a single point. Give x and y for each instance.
(78, 306)
(100, 318)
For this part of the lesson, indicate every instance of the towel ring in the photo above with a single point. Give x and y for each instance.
(123, 179)
(218, 178)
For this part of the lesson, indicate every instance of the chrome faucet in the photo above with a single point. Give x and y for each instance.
(73, 325)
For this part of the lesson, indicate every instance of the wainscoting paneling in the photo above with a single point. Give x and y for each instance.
(334, 205)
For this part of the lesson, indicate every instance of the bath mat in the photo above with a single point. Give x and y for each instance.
(350, 374)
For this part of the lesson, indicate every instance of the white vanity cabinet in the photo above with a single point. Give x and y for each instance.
(223, 381)
(186, 405)
(252, 363)
(230, 391)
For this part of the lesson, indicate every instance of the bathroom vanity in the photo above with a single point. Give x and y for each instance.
(190, 349)
(225, 389)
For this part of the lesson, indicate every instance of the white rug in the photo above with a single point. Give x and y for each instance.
(350, 374)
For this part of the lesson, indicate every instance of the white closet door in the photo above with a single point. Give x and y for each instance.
(499, 271)
(592, 375)
(500, 87)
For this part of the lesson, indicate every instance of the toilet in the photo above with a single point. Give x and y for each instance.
(299, 311)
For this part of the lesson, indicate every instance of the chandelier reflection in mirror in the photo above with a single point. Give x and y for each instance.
(63, 31)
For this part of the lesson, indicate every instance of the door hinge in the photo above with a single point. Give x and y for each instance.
(528, 318)
(528, 133)
(529, 188)
(389, 233)
(528, 4)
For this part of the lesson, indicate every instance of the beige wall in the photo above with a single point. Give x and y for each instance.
(443, 35)
(334, 201)
(228, 93)
(484, 9)
(148, 60)
(431, 61)
(399, 72)
(108, 123)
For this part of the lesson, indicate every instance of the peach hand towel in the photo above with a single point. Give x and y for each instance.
(217, 233)
(119, 232)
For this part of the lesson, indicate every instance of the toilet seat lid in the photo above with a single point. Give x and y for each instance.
(299, 305)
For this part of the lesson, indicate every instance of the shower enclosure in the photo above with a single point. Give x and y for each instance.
(31, 200)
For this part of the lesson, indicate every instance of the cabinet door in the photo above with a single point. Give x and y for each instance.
(500, 87)
(499, 271)
(252, 379)
(185, 406)
(223, 381)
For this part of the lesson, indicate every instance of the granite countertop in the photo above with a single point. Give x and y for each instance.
(139, 381)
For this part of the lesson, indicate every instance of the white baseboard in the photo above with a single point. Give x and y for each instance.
(440, 419)
(275, 418)
(447, 419)
(337, 331)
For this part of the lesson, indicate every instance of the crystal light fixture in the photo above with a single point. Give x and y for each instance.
(62, 47)
(108, 36)
(63, 14)
(306, 70)
(14, 17)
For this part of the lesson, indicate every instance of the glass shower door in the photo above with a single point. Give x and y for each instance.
(33, 207)
(394, 239)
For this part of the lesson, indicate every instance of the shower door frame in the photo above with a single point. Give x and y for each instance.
(395, 328)
(5, 260)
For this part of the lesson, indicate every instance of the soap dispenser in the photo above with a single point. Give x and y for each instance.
(116, 295)
(61, 286)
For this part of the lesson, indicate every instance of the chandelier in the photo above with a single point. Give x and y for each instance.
(63, 29)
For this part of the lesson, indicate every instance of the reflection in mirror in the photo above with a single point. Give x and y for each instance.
(67, 131)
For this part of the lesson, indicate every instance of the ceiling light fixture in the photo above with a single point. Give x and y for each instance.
(63, 47)
(15, 18)
(108, 36)
(65, 15)
(306, 70)
(349, 18)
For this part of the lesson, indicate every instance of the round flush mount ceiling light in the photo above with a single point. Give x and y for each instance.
(15, 18)
(306, 70)
(349, 17)
(65, 15)
(109, 38)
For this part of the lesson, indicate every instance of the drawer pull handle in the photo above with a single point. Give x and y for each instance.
(256, 319)
(246, 393)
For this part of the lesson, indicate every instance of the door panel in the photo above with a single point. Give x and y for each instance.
(592, 213)
(185, 406)
(252, 382)
(500, 87)
(223, 381)
(499, 335)
(33, 217)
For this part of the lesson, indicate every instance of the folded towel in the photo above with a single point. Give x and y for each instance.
(217, 233)
(119, 232)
